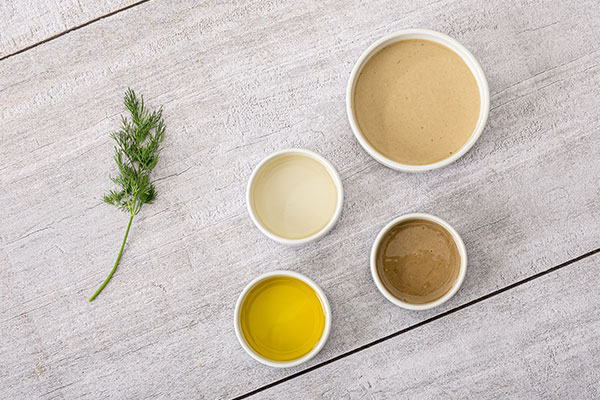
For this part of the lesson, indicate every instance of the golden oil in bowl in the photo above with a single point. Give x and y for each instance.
(282, 318)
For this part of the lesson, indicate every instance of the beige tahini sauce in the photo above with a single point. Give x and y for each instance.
(416, 102)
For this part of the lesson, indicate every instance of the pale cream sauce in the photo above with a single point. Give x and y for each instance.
(294, 196)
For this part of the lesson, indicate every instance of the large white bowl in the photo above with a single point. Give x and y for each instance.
(440, 38)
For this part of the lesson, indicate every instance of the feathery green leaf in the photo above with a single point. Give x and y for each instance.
(137, 146)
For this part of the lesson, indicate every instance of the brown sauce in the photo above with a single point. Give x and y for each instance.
(418, 261)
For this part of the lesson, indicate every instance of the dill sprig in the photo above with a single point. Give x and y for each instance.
(136, 154)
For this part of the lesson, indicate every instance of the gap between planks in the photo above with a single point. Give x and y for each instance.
(418, 325)
(76, 27)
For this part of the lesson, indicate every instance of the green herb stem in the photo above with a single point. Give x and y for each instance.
(116, 263)
(137, 146)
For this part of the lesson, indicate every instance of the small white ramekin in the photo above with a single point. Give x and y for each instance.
(440, 38)
(462, 251)
(292, 363)
(334, 176)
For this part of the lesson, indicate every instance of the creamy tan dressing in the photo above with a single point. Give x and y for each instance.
(294, 196)
(416, 102)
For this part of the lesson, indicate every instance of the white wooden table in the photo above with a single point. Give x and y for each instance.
(239, 80)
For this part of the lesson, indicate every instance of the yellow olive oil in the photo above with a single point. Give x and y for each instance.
(282, 318)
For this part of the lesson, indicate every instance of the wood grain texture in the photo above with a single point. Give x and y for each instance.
(27, 22)
(238, 81)
(540, 340)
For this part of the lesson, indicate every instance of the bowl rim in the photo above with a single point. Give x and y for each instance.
(462, 251)
(334, 176)
(452, 44)
(326, 311)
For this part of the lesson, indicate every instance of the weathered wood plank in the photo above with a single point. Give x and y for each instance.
(25, 22)
(239, 81)
(540, 340)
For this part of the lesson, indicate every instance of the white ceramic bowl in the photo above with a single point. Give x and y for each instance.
(334, 176)
(292, 363)
(484, 94)
(462, 251)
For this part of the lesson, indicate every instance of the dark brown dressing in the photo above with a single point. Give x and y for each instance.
(418, 261)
